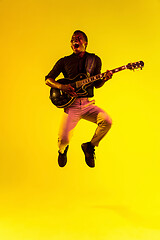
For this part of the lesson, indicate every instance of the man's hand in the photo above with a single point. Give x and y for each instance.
(69, 90)
(108, 75)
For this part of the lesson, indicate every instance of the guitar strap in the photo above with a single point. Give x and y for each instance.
(89, 64)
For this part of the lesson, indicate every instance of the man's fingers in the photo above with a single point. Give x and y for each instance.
(108, 75)
(70, 90)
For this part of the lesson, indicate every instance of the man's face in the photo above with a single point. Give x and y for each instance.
(78, 43)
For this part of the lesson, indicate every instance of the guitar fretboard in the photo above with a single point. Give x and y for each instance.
(98, 77)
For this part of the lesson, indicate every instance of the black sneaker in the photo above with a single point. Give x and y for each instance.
(89, 153)
(62, 158)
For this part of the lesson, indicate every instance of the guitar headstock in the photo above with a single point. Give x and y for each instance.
(135, 65)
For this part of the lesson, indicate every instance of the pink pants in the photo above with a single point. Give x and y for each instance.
(82, 108)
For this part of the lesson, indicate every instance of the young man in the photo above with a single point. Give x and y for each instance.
(78, 62)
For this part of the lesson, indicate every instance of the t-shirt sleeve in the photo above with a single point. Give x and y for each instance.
(56, 70)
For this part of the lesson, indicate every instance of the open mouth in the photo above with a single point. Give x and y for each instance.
(76, 45)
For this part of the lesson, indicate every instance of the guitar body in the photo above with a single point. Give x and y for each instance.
(61, 99)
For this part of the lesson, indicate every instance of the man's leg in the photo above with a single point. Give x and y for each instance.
(102, 119)
(104, 123)
(69, 121)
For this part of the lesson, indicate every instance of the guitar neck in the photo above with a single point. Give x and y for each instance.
(99, 76)
(119, 69)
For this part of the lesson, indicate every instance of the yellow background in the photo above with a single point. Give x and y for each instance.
(120, 198)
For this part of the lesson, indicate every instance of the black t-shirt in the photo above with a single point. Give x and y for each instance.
(72, 65)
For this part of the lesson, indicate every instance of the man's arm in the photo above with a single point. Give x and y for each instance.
(52, 83)
(66, 88)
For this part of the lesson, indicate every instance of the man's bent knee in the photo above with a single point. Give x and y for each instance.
(104, 120)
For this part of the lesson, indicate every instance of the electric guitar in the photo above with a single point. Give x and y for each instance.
(80, 83)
